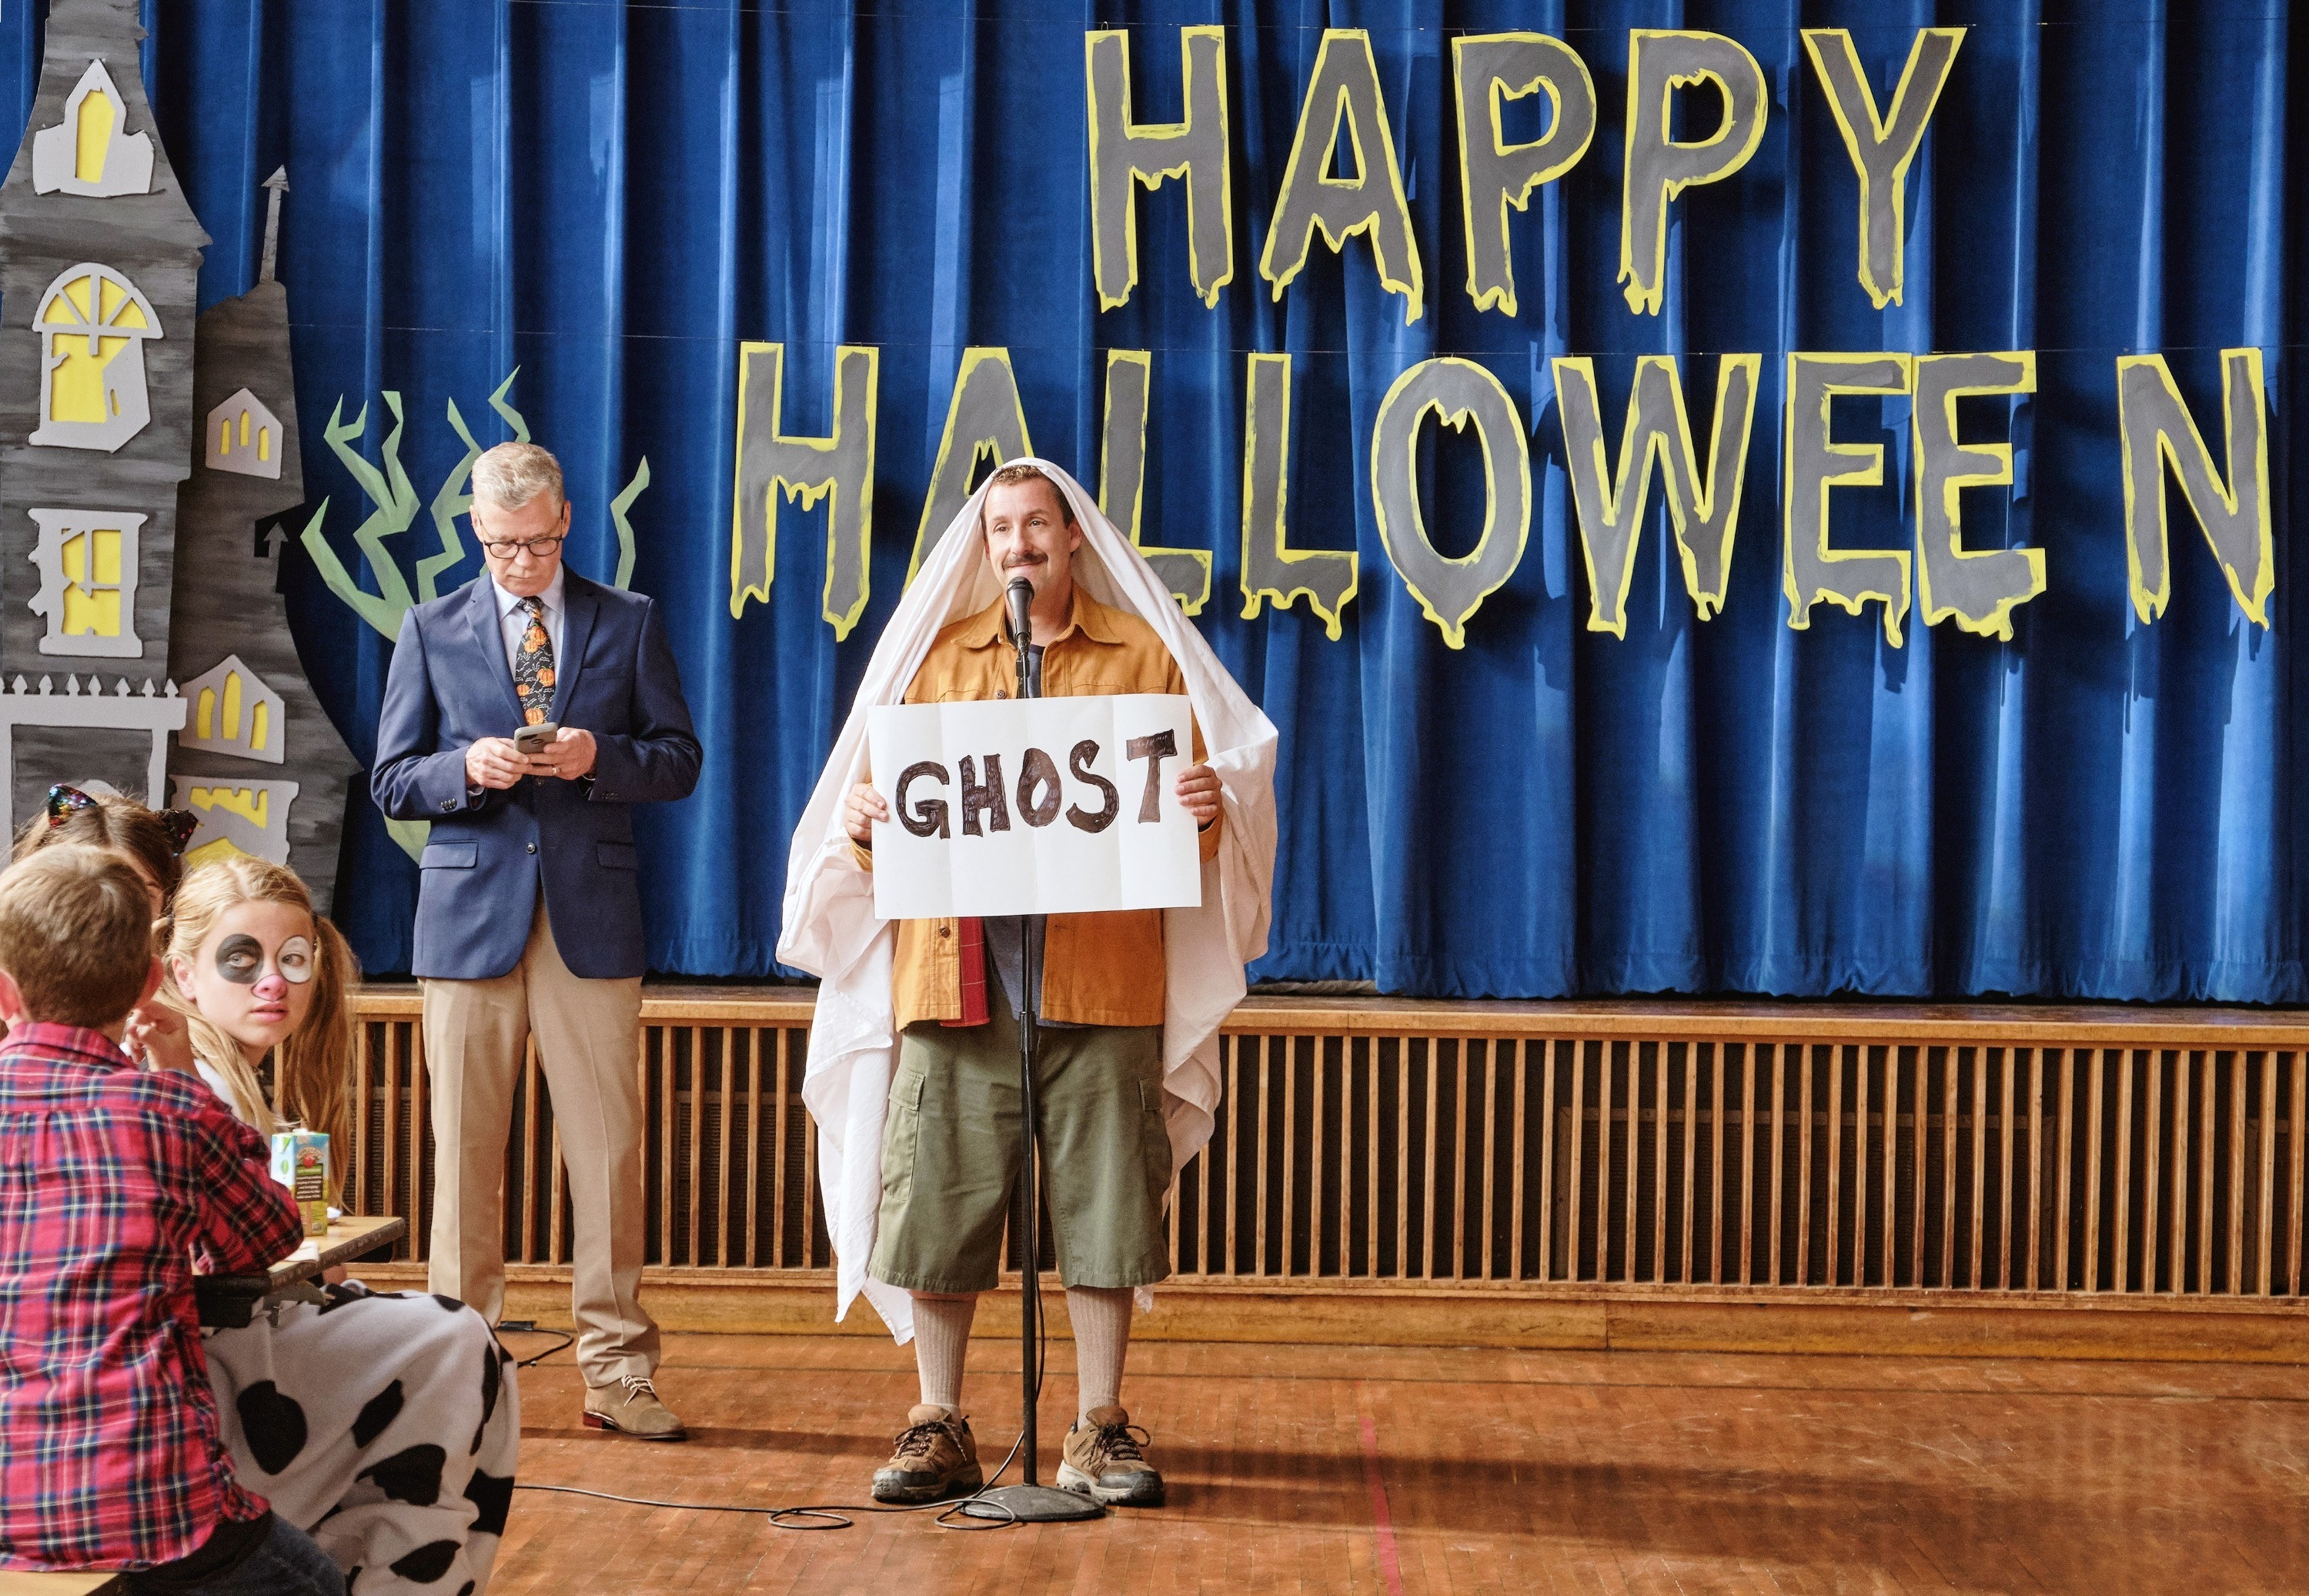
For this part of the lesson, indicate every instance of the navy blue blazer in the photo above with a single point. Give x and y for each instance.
(489, 857)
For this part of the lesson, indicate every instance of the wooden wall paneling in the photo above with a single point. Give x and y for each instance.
(809, 1193)
(785, 1094)
(1231, 1263)
(1716, 1051)
(2298, 1188)
(1427, 1233)
(1486, 1169)
(2150, 1168)
(1347, 1147)
(2004, 1275)
(749, 1236)
(2183, 1117)
(2236, 1173)
(358, 1194)
(1660, 1071)
(1631, 1144)
(2267, 1241)
(1973, 1276)
(1804, 1166)
(659, 1074)
(2189, 1195)
(2096, 1123)
(2120, 1206)
(1748, 1052)
(1519, 1076)
(1778, 1053)
(2062, 1192)
(1860, 1163)
(1403, 1157)
(1834, 1260)
(1261, 1257)
(1951, 1066)
(1575, 1146)
(1689, 1183)
(396, 1127)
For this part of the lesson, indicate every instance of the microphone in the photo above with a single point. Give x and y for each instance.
(1020, 596)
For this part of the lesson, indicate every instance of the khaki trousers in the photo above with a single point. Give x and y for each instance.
(588, 1035)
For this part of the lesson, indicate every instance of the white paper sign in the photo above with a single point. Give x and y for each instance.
(1046, 805)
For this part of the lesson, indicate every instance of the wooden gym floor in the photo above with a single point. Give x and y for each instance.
(1329, 1468)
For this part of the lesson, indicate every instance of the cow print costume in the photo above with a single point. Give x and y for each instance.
(385, 1425)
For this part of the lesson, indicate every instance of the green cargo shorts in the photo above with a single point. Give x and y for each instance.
(951, 1150)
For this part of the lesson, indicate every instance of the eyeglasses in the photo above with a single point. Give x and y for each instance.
(538, 548)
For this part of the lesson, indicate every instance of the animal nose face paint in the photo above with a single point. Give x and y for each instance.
(241, 960)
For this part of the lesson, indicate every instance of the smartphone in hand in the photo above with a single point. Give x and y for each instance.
(534, 739)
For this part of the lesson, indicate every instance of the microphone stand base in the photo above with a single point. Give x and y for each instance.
(1032, 1504)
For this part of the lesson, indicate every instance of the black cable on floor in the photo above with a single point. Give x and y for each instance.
(832, 1514)
(566, 1342)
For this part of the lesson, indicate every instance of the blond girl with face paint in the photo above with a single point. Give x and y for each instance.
(255, 972)
(385, 1425)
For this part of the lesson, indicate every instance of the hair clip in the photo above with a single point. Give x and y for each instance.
(65, 801)
(180, 825)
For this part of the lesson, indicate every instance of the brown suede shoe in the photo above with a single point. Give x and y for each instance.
(631, 1407)
(937, 1456)
(1104, 1458)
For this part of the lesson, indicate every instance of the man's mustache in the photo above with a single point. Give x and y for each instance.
(1030, 558)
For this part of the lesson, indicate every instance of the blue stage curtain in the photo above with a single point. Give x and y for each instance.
(611, 199)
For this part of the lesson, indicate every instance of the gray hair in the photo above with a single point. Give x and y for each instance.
(512, 474)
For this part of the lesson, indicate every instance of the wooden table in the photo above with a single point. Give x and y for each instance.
(227, 1300)
(61, 1585)
(353, 1236)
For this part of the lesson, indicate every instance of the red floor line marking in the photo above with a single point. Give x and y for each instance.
(1391, 1567)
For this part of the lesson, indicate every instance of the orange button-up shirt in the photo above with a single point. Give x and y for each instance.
(1097, 969)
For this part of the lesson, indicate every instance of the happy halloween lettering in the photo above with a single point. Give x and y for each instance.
(1343, 127)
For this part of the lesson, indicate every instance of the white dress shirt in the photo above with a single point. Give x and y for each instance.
(512, 620)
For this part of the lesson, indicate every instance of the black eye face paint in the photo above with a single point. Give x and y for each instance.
(240, 959)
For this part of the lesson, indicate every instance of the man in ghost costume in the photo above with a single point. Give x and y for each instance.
(913, 1053)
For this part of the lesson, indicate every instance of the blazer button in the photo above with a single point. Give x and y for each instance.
(1001, 692)
(946, 931)
(531, 846)
(448, 804)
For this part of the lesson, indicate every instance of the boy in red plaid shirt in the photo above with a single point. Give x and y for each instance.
(112, 1181)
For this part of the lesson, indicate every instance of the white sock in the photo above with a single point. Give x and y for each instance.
(941, 1338)
(1102, 1322)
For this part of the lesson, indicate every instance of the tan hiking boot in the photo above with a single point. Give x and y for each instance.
(1105, 1459)
(631, 1407)
(937, 1456)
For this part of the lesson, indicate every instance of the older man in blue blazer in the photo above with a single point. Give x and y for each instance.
(529, 918)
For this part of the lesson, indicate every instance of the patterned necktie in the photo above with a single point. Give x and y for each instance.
(533, 667)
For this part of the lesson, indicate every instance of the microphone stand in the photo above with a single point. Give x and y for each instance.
(1032, 1502)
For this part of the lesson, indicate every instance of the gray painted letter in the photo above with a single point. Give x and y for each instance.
(2155, 427)
(1811, 571)
(772, 465)
(1344, 95)
(1978, 589)
(1881, 149)
(1271, 569)
(1486, 70)
(1123, 152)
(1458, 391)
(1659, 167)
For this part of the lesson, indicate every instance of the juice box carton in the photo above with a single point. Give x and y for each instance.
(300, 1161)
